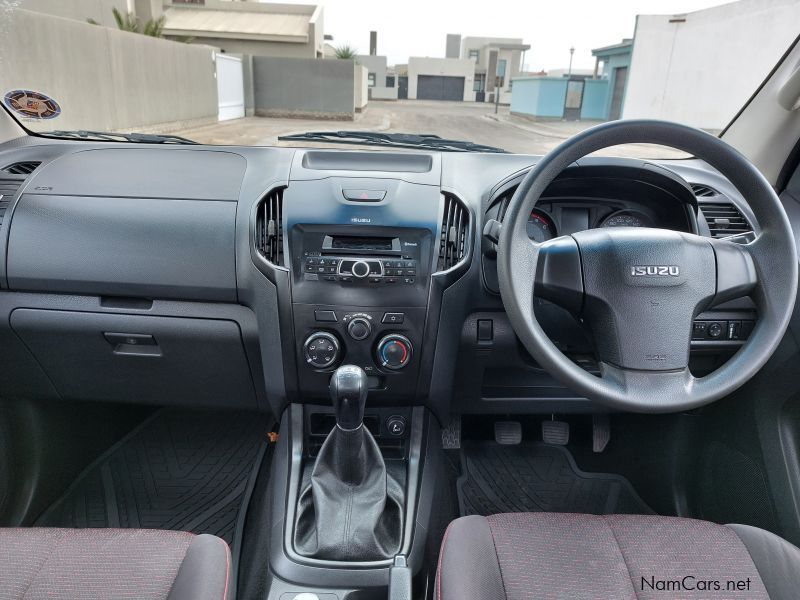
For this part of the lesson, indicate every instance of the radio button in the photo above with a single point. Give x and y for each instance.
(375, 279)
(390, 279)
(346, 279)
(360, 269)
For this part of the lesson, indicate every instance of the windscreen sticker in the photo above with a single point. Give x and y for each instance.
(32, 105)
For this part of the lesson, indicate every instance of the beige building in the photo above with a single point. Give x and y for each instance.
(243, 26)
(496, 61)
(440, 79)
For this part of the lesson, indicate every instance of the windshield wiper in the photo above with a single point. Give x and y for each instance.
(395, 140)
(140, 138)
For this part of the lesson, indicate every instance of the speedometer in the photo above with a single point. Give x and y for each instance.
(627, 218)
(540, 226)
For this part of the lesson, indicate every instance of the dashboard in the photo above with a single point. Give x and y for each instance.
(227, 276)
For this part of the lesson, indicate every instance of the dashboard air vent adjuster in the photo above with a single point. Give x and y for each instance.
(724, 219)
(269, 227)
(455, 228)
(8, 187)
(22, 168)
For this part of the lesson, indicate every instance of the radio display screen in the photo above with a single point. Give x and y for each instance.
(352, 242)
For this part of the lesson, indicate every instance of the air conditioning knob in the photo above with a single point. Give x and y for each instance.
(359, 328)
(394, 351)
(360, 269)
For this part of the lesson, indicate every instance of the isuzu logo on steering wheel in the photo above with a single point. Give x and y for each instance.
(655, 271)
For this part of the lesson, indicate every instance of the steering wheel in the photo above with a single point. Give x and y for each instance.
(639, 290)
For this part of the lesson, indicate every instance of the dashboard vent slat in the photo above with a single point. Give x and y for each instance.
(22, 168)
(704, 191)
(724, 219)
(453, 238)
(269, 227)
(8, 187)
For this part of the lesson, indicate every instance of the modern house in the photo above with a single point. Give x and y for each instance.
(439, 79)
(496, 61)
(242, 27)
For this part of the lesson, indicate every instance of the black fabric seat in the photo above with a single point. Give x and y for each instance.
(106, 564)
(542, 556)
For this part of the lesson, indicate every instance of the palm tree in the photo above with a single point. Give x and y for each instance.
(129, 22)
(346, 51)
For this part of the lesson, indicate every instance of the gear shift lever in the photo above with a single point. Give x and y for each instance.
(348, 389)
(351, 509)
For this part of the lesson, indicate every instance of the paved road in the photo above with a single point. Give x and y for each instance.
(454, 120)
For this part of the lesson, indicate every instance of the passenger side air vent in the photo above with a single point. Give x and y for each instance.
(22, 168)
(724, 219)
(8, 187)
(269, 227)
(455, 229)
(704, 191)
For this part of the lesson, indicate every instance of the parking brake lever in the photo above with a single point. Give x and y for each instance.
(400, 579)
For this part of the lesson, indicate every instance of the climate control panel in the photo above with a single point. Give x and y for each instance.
(385, 342)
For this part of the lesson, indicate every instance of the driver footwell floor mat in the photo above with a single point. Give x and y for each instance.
(536, 477)
(180, 470)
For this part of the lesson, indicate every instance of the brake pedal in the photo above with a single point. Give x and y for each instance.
(601, 432)
(555, 432)
(508, 433)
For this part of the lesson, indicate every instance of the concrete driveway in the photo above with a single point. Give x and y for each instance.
(454, 120)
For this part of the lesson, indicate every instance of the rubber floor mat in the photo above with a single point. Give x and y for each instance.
(179, 470)
(536, 477)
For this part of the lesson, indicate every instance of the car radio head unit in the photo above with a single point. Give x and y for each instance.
(357, 244)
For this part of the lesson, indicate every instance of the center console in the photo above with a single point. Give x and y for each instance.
(363, 259)
(374, 282)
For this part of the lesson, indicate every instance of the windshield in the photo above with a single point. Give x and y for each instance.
(506, 76)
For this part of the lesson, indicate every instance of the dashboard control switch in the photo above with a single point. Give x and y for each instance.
(393, 318)
(321, 350)
(325, 316)
(394, 351)
(359, 328)
(485, 330)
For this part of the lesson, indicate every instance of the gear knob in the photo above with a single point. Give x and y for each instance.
(348, 389)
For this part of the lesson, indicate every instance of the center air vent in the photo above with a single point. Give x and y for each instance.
(269, 227)
(724, 219)
(22, 168)
(8, 187)
(455, 229)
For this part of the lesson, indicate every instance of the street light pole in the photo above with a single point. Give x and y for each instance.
(571, 52)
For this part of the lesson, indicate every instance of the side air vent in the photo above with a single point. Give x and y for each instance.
(724, 219)
(22, 168)
(8, 187)
(269, 227)
(704, 191)
(455, 229)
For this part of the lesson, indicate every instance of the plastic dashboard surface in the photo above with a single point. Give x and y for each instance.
(122, 231)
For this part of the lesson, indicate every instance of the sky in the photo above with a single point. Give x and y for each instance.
(419, 27)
